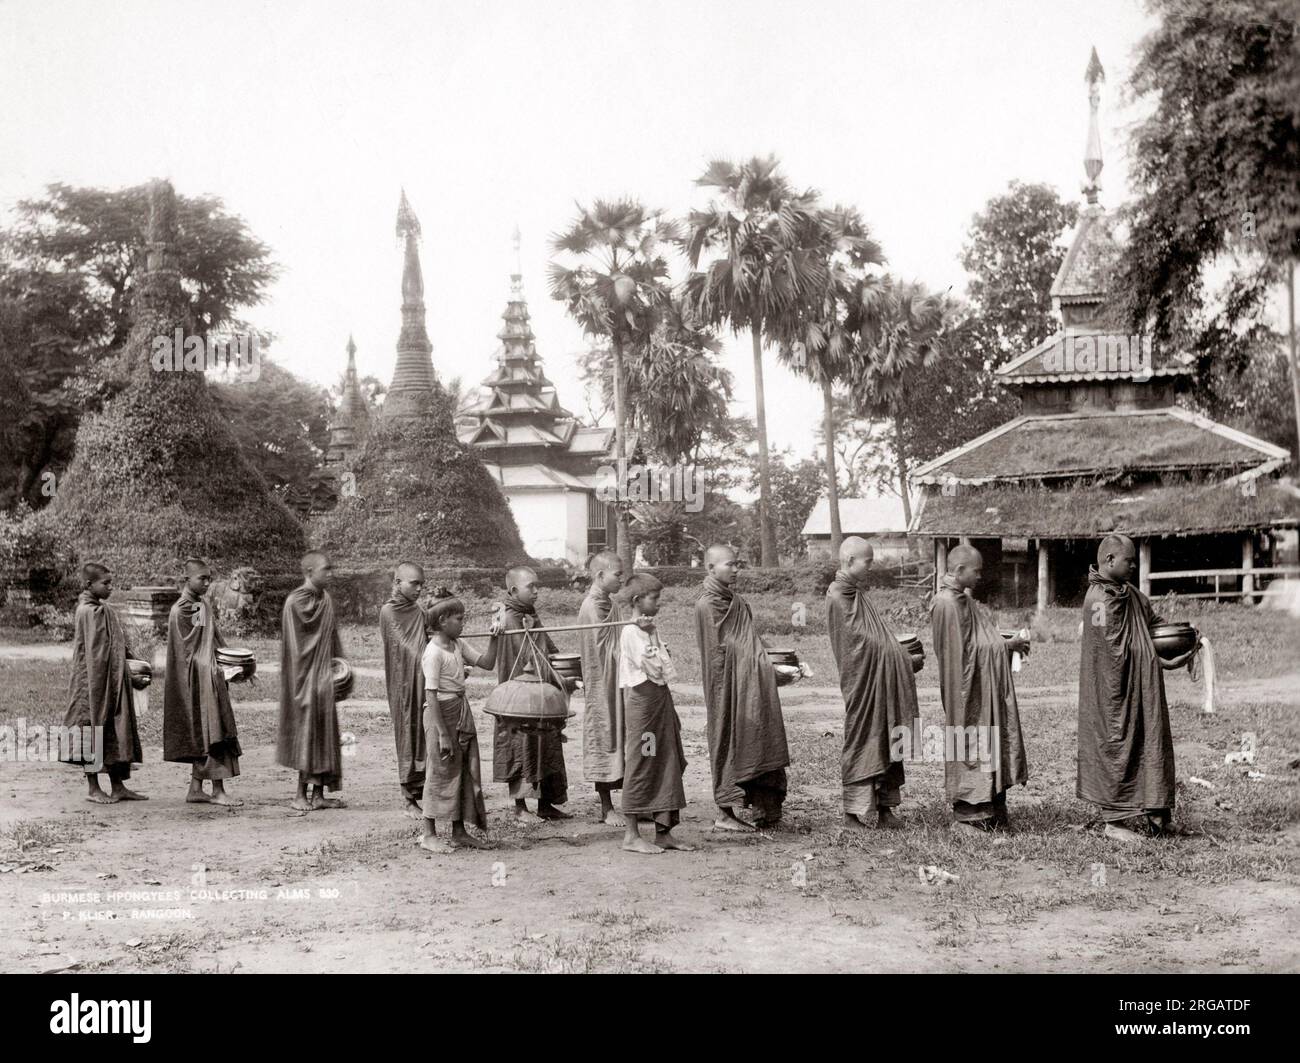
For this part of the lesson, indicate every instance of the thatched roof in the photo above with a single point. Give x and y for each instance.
(1056, 446)
(1092, 511)
(1078, 354)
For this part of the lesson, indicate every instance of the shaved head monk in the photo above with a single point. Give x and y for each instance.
(602, 720)
(747, 747)
(308, 739)
(531, 765)
(402, 632)
(100, 702)
(979, 699)
(879, 690)
(198, 721)
(1126, 749)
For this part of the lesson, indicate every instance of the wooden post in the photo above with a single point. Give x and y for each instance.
(1247, 565)
(1144, 566)
(1044, 575)
(940, 562)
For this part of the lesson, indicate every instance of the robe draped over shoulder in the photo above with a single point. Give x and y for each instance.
(99, 690)
(198, 720)
(308, 739)
(603, 715)
(976, 685)
(747, 743)
(1126, 748)
(401, 629)
(876, 681)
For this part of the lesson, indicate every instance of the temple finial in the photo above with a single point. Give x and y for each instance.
(351, 348)
(407, 223)
(1092, 162)
(518, 240)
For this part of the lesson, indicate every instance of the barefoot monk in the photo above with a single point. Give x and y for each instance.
(879, 692)
(747, 746)
(198, 722)
(602, 721)
(402, 631)
(309, 721)
(101, 707)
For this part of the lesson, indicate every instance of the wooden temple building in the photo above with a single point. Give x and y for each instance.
(1102, 446)
(544, 461)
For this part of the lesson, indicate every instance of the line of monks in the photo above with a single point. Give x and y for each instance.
(631, 734)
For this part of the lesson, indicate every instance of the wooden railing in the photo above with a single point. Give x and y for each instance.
(1218, 574)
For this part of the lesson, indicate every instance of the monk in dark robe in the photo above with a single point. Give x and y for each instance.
(602, 721)
(879, 691)
(653, 753)
(308, 738)
(984, 754)
(532, 765)
(198, 721)
(402, 631)
(1126, 749)
(747, 747)
(100, 702)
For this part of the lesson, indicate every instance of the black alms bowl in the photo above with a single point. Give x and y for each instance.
(1174, 639)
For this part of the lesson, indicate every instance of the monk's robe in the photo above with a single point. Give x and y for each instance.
(1126, 750)
(653, 751)
(603, 729)
(747, 748)
(99, 691)
(308, 739)
(879, 692)
(198, 722)
(979, 696)
(401, 628)
(532, 764)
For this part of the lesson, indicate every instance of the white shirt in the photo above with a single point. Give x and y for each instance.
(643, 657)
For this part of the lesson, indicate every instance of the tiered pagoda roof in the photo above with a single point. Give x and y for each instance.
(1101, 440)
(348, 425)
(515, 419)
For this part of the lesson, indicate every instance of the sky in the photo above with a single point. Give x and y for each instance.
(308, 119)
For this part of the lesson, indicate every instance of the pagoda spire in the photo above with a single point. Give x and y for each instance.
(413, 377)
(348, 425)
(1092, 162)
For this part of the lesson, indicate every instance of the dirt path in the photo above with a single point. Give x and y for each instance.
(350, 890)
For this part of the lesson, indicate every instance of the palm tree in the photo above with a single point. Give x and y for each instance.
(615, 293)
(839, 320)
(913, 328)
(763, 234)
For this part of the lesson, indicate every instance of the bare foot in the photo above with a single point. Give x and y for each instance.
(197, 797)
(224, 798)
(968, 830)
(525, 814)
(551, 812)
(470, 842)
(319, 803)
(412, 811)
(667, 841)
(102, 798)
(640, 845)
(851, 822)
(611, 819)
(886, 820)
(302, 804)
(1123, 834)
(121, 793)
(437, 845)
(728, 821)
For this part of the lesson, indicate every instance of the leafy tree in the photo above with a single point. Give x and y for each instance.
(1214, 164)
(827, 331)
(282, 425)
(69, 268)
(761, 236)
(614, 293)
